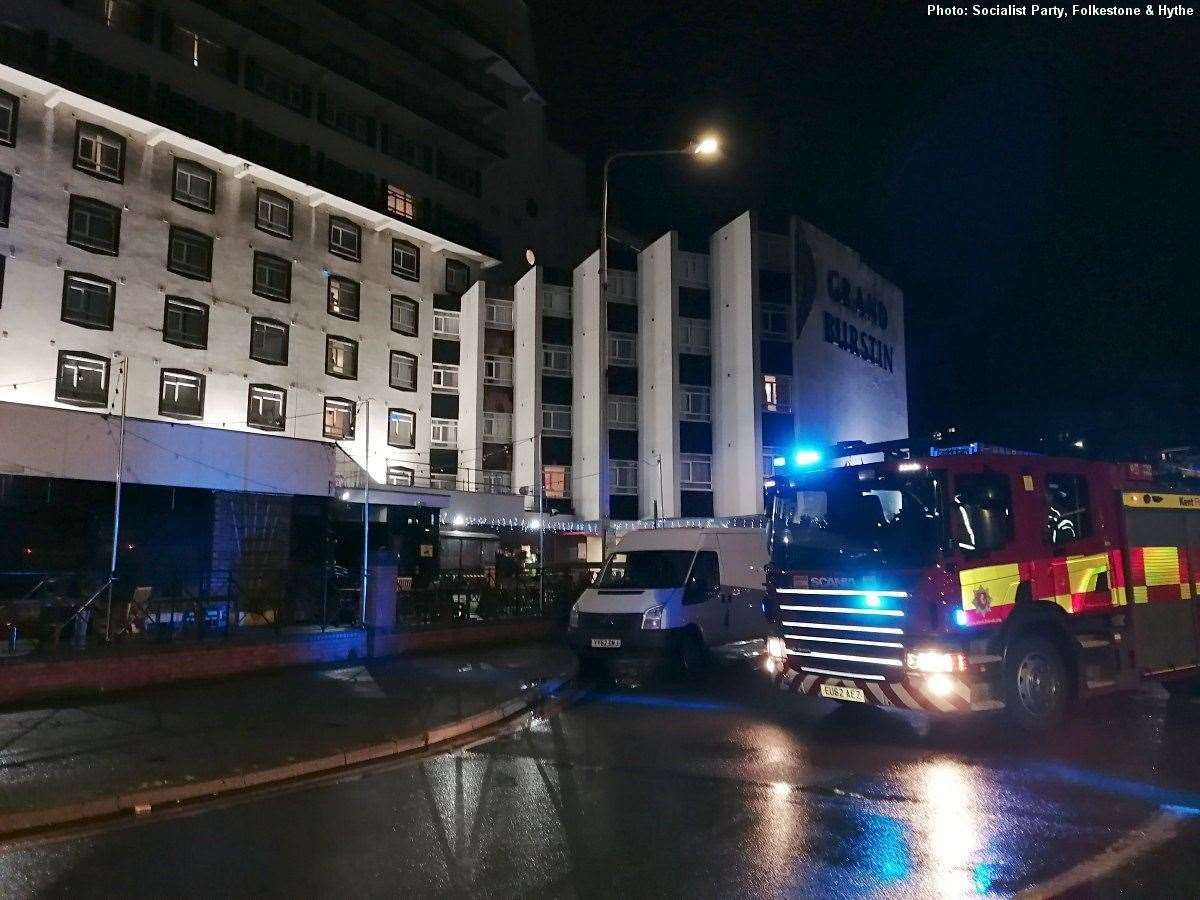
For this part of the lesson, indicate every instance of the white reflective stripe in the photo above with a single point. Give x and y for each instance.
(807, 682)
(881, 660)
(941, 703)
(842, 592)
(874, 629)
(905, 697)
(864, 611)
(845, 674)
(829, 640)
(878, 694)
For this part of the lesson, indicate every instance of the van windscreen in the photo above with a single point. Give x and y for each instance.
(646, 569)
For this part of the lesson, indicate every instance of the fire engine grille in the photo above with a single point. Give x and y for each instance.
(845, 633)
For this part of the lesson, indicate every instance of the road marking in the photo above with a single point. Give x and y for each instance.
(1153, 832)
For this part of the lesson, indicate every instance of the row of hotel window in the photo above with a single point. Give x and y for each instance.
(96, 226)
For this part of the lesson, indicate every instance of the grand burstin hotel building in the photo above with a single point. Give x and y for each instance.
(266, 282)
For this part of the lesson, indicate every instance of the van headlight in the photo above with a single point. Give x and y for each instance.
(573, 621)
(935, 661)
(776, 647)
(652, 619)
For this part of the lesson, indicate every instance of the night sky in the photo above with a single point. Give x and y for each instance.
(1032, 185)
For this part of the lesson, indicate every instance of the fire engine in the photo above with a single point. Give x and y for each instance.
(978, 578)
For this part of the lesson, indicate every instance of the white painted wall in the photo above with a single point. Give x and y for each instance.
(658, 374)
(737, 424)
(470, 391)
(589, 443)
(840, 396)
(527, 384)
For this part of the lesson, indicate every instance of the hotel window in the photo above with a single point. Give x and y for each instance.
(695, 403)
(190, 253)
(497, 370)
(94, 226)
(185, 323)
(269, 341)
(556, 301)
(622, 349)
(445, 378)
(195, 185)
(279, 88)
(341, 357)
(6, 185)
(556, 419)
(99, 152)
(273, 214)
(776, 323)
(272, 277)
(338, 419)
(123, 16)
(181, 394)
(267, 407)
(556, 359)
(402, 428)
(88, 301)
(343, 298)
(497, 427)
(403, 375)
(404, 315)
(695, 336)
(777, 393)
(556, 482)
(458, 276)
(495, 481)
(443, 433)
(622, 412)
(498, 314)
(345, 238)
(82, 379)
(695, 471)
(399, 476)
(406, 260)
(446, 324)
(198, 51)
(401, 203)
(443, 481)
(623, 476)
(10, 108)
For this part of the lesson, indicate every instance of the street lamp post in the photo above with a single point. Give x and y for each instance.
(704, 147)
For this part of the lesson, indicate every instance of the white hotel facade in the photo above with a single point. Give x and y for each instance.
(262, 334)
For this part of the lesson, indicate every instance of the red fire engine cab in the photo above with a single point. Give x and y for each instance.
(978, 578)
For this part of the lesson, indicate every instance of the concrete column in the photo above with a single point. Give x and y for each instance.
(658, 376)
(589, 442)
(737, 371)
(470, 385)
(527, 384)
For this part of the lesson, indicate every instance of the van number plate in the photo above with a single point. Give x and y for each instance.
(608, 642)
(837, 692)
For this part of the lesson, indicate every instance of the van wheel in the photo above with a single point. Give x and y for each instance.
(1037, 688)
(693, 654)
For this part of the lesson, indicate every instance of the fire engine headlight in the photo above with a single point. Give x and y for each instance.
(776, 647)
(573, 622)
(652, 619)
(935, 661)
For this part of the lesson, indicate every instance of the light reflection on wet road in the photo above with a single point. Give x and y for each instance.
(715, 789)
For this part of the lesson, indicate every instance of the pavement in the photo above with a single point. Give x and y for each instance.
(70, 761)
(722, 787)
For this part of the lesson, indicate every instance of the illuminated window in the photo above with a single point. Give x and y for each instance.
(403, 375)
(446, 323)
(777, 393)
(82, 379)
(181, 394)
(198, 51)
(401, 203)
(342, 298)
(341, 357)
(267, 407)
(402, 428)
(338, 419)
(443, 433)
(556, 482)
(399, 476)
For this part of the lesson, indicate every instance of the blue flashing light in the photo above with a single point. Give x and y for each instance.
(960, 617)
(806, 457)
(873, 600)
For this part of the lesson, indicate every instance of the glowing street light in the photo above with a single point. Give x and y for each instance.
(708, 145)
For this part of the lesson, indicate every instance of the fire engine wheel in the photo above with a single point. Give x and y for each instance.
(1037, 688)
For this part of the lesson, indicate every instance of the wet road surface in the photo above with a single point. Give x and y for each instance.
(717, 788)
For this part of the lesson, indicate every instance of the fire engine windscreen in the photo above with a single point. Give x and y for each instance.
(856, 517)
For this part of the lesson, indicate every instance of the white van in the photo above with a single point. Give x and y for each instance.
(675, 591)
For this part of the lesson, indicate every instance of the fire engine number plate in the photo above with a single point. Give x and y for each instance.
(610, 642)
(837, 692)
